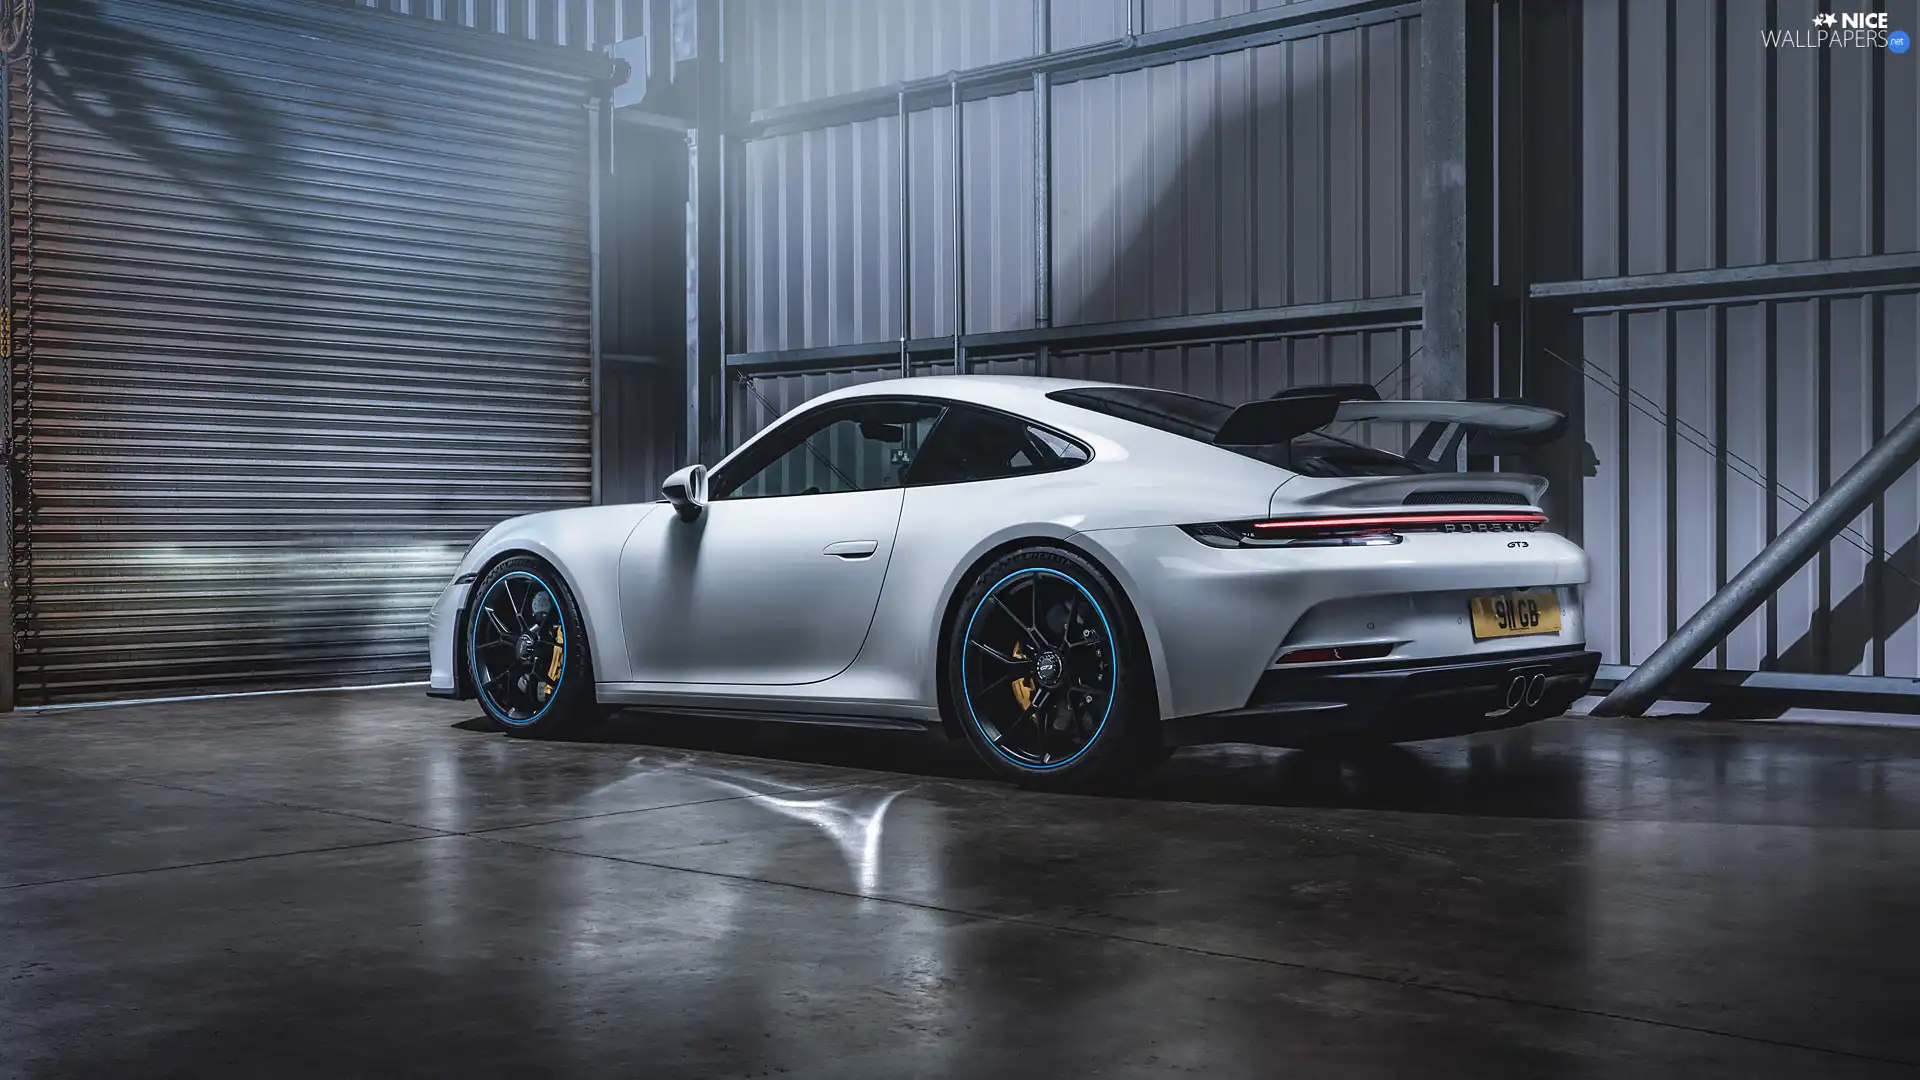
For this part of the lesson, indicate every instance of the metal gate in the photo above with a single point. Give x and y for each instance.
(300, 299)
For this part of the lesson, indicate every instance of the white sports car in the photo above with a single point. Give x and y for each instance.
(1073, 576)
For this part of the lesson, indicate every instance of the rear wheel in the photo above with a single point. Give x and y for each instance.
(527, 650)
(1047, 676)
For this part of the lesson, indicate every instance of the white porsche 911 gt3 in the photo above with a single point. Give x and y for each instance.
(1073, 576)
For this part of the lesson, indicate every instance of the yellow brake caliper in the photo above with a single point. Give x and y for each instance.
(553, 669)
(1022, 688)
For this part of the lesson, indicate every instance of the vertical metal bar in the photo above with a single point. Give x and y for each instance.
(1772, 375)
(1818, 633)
(1549, 78)
(1876, 563)
(959, 175)
(1623, 373)
(1512, 269)
(1670, 331)
(694, 391)
(1721, 413)
(1770, 172)
(1042, 185)
(1622, 114)
(730, 149)
(1670, 324)
(1823, 155)
(1670, 139)
(706, 269)
(906, 237)
(597, 129)
(1136, 18)
(1770, 207)
(1721, 437)
(1456, 42)
(1877, 154)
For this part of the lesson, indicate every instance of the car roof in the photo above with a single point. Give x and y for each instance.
(1024, 395)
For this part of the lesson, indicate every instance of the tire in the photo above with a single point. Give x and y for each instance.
(526, 650)
(1064, 703)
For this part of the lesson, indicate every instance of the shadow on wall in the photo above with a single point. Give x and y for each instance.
(173, 110)
(172, 124)
(1840, 638)
(1270, 177)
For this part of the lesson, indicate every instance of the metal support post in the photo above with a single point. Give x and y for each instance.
(1042, 186)
(599, 134)
(1544, 79)
(1456, 51)
(959, 174)
(906, 237)
(1888, 461)
(706, 263)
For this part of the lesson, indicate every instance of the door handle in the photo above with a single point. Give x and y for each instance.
(852, 549)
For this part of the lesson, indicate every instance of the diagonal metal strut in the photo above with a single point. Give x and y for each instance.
(1823, 520)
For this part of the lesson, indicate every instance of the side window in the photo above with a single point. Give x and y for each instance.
(975, 444)
(856, 447)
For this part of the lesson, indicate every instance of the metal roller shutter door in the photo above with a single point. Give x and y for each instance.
(301, 306)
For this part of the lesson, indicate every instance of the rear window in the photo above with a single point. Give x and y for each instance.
(1197, 418)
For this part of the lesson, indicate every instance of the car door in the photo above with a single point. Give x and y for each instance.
(777, 580)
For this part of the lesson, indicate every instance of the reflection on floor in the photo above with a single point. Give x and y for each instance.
(375, 884)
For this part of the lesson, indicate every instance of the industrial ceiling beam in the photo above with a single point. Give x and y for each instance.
(1389, 312)
(1769, 281)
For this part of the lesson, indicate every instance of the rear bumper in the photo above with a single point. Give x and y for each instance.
(1398, 700)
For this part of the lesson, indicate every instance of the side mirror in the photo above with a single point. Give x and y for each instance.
(687, 491)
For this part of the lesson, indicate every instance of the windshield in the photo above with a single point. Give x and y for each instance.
(1197, 418)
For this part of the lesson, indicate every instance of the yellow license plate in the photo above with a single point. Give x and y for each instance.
(1501, 615)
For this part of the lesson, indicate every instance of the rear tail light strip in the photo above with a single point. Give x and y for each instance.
(1361, 529)
(1470, 521)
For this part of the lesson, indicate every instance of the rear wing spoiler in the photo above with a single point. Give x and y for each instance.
(1485, 425)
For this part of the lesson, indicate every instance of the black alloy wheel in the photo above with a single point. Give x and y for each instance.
(1043, 673)
(527, 650)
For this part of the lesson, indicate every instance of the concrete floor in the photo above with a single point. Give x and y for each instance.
(371, 884)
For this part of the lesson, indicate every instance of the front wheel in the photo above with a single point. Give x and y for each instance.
(527, 650)
(1047, 675)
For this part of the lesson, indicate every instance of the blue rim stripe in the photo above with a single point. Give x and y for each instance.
(1112, 646)
(473, 651)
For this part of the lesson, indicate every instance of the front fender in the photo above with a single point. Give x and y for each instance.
(584, 546)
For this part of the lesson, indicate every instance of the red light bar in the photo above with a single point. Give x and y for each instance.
(1388, 521)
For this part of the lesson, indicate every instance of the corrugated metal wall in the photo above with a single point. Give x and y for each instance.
(1705, 148)
(642, 274)
(291, 335)
(1715, 425)
(571, 24)
(1285, 174)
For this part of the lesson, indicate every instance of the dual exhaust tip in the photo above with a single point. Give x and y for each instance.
(1526, 690)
